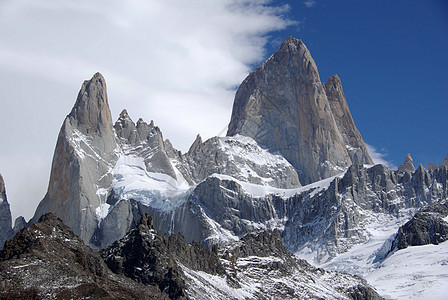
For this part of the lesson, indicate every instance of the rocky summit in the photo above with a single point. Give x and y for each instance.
(6, 231)
(285, 107)
(235, 216)
(85, 152)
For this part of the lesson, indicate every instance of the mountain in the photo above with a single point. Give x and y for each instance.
(257, 267)
(284, 106)
(6, 231)
(86, 151)
(293, 163)
(48, 261)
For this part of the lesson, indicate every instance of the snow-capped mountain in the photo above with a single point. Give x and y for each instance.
(292, 163)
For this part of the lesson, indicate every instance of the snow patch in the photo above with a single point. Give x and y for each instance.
(260, 191)
(157, 190)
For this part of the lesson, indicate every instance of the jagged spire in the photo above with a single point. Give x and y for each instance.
(445, 161)
(408, 165)
(91, 112)
(6, 231)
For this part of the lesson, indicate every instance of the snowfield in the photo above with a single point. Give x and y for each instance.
(418, 272)
(160, 191)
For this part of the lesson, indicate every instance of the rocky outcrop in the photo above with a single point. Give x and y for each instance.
(48, 261)
(408, 165)
(284, 106)
(445, 161)
(6, 231)
(259, 267)
(146, 140)
(153, 259)
(183, 270)
(19, 224)
(85, 154)
(426, 227)
(242, 158)
(337, 218)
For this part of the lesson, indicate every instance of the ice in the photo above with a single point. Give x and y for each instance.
(160, 191)
(260, 191)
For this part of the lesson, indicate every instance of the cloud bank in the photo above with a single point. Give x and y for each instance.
(175, 62)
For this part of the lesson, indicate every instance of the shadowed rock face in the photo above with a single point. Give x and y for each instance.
(48, 261)
(151, 258)
(284, 106)
(426, 227)
(6, 231)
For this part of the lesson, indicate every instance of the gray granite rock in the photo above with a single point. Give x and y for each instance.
(408, 165)
(19, 224)
(6, 231)
(146, 140)
(242, 158)
(445, 161)
(352, 139)
(284, 107)
(85, 154)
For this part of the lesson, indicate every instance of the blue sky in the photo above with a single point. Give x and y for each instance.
(392, 58)
(179, 62)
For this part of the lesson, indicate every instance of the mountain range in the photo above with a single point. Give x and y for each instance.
(235, 216)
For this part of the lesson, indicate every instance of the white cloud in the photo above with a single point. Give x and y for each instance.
(310, 3)
(379, 157)
(176, 62)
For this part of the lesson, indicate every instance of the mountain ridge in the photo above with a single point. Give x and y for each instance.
(323, 198)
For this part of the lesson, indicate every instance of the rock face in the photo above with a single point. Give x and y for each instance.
(85, 154)
(426, 227)
(242, 158)
(408, 165)
(352, 139)
(146, 140)
(184, 270)
(445, 161)
(48, 261)
(6, 231)
(151, 258)
(19, 224)
(260, 267)
(284, 106)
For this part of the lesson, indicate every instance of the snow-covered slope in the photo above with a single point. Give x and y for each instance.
(242, 158)
(418, 272)
(158, 190)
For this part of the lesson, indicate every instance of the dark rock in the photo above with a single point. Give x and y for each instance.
(147, 256)
(19, 224)
(426, 227)
(47, 260)
(6, 231)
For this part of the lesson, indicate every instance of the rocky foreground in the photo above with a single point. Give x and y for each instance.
(48, 261)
